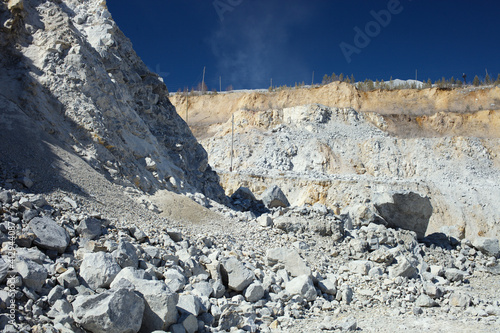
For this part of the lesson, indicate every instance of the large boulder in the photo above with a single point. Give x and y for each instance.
(408, 211)
(114, 311)
(460, 300)
(5, 197)
(359, 214)
(130, 274)
(33, 274)
(403, 267)
(254, 292)
(69, 278)
(126, 255)
(190, 304)
(49, 234)
(161, 305)
(488, 246)
(328, 286)
(160, 302)
(99, 269)
(243, 193)
(89, 228)
(235, 275)
(290, 258)
(303, 286)
(174, 279)
(360, 266)
(274, 197)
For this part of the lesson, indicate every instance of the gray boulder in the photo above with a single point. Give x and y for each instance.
(360, 266)
(229, 319)
(130, 274)
(243, 193)
(49, 234)
(160, 302)
(126, 255)
(347, 325)
(303, 286)
(345, 294)
(5, 197)
(174, 279)
(202, 289)
(138, 234)
(99, 269)
(175, 235)
(408, 211)
(274, 197)
(33, 254)
(382, 255)
(33, 274)
(265, 220)
(453, 274)
(190, 304)
(290, 258)
(190, 324)
(488, 246)
(433, 290)
(89, 228)
(161, 305)
(425, 301)
(460, 300)
(55, 294)
(38, 200)
(404, 268)
(328, 286)
(114, 311)
(254, 292)
(359, 214)
(327, 227)
(68, 279)
(235, 275)
(60, 307)
(218, 289)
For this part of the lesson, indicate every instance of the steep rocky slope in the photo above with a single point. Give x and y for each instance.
(340, 156)
(70, 78)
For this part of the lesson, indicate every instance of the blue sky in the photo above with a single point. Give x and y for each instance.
(248, 42)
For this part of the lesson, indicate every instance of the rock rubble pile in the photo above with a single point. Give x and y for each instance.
(66, 269)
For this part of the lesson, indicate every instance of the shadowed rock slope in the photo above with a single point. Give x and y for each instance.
(70, 80)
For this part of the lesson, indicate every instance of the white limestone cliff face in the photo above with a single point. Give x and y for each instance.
(69, 72)
(340, 157)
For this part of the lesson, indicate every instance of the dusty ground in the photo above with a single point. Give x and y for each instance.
(180, 209)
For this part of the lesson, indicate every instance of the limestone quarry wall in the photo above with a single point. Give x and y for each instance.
(339, 156)
(216, 108)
